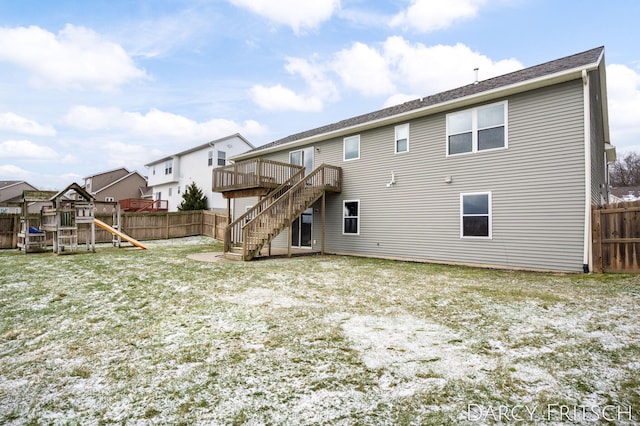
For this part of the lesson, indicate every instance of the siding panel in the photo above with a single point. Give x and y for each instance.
(537, 187)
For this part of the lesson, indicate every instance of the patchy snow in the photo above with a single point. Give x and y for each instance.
(409, 347)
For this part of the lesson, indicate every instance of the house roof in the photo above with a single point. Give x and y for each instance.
(104, 173)
(199, 147)
(627, 193)
(118, 181)
(556, 71)
(8, 183)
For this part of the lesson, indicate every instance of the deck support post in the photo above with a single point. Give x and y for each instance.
(322, 208)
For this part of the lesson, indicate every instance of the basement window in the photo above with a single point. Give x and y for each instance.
(475, 217)
(351, 217)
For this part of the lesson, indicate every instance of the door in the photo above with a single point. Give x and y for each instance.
(302, 227)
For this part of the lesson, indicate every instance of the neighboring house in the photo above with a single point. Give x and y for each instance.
(500, 173)
(11, 195)
(625, 193)
(169, 176)
(113, 186)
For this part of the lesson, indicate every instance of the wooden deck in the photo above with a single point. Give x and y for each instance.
(256, 177)
(255, 229)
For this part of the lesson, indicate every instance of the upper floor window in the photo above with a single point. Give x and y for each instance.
(352, 148)
(168, 167)
(477, 129)
(222, 158)
(402, 138)
(210, 159)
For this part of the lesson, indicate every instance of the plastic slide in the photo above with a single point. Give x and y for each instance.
(125, 237)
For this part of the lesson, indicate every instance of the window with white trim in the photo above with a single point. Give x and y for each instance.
(222, 158)
(352, 148)
(477, 129)
(475, 215)
(210, 158)
(168, 167)
(351, 217)
(109, 199)
(402, 138)
(170, 192)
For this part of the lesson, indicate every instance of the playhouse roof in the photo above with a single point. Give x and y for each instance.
(75, 187)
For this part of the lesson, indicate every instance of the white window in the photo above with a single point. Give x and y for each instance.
(352, 148)
(351, 217)
(222, 158)
(402, 138)
(170, 191)
(158, 195)
(109, 199)
(178, 189)
(210, 159)
(477, 129)
(475, 215)
(168, 167)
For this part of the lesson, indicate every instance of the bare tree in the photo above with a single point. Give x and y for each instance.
(626, 171)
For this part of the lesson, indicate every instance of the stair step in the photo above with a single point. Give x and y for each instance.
(233, 256)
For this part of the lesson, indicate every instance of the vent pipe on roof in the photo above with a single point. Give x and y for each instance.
(476, 71)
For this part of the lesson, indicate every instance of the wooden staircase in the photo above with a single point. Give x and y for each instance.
(248, 234)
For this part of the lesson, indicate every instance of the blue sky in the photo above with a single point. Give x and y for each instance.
(90, 86)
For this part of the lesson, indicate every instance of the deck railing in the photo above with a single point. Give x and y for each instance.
(263, 223)
(255, 173)
(141, 204)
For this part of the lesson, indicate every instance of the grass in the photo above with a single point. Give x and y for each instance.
(130, 336)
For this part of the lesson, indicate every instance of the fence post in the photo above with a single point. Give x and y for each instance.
(596, 240)
(16, 230)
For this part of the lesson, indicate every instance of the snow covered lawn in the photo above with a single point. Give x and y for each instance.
(152, 337)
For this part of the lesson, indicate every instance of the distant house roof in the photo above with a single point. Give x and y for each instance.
(555, 71)
(626, 193)
(104, 173)
(199, 147)
(118, 181)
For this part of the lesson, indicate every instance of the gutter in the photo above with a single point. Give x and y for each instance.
(587, 257)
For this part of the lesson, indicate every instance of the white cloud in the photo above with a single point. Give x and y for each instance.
(298, 15)
(279, 98)
(75, 58)
(120, 154)
(157, 125)
(15, 123)
(399, 98)
(432, 15)
(389, 70)
(11, 172)
(158, 37)
(26, 150)
(364, 69)
(314, 75)
(623, 89)
(432, 69)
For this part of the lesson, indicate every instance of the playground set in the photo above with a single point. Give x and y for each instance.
(60, 216)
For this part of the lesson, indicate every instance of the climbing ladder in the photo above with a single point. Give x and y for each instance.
(248, 234)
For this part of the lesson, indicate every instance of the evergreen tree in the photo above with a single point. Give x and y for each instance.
(193, 199)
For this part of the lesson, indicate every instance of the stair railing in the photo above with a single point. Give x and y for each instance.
(233, 231)
(271, 219)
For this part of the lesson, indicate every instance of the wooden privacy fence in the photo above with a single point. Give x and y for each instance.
(616, 237)
(141, 226)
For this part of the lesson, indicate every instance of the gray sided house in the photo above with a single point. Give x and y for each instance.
(501, 173)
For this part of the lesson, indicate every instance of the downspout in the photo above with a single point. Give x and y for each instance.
(587, 260)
